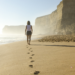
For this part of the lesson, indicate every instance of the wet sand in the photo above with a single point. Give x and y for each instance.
(39, 58)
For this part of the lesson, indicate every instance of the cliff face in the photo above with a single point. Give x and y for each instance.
(68, 12)
(68, 17)
(46, 23)
(14, 30)
(61, 21)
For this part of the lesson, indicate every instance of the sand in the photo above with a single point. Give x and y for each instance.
(41, 58)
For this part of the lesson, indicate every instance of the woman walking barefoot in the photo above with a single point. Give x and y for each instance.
(28, 32)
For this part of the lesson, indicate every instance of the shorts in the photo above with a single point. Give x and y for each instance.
(29, 32)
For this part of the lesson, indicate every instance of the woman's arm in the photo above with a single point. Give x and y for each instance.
(25, 29)
(31, 29)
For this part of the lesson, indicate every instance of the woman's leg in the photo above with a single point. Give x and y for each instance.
(29, 38)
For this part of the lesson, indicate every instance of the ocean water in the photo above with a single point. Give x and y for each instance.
(5, 39)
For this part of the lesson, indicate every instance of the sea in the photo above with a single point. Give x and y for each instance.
(5, 39)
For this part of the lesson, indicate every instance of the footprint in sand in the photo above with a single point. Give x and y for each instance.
(32, 54)
(27, 47)
(30, 57)
(32, 61)
(31, 66)
(36, 72)
(28, 53)
(31, 51)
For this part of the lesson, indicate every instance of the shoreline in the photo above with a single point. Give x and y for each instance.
(7, 40)
(49, 38)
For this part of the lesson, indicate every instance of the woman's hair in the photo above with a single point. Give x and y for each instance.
(28, 22)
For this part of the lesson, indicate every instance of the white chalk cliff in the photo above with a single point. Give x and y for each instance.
(61, 21)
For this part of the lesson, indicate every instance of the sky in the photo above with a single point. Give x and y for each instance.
(18, 12)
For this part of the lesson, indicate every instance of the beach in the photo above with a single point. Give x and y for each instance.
(39, 58)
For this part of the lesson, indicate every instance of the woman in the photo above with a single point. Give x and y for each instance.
(28, 32)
